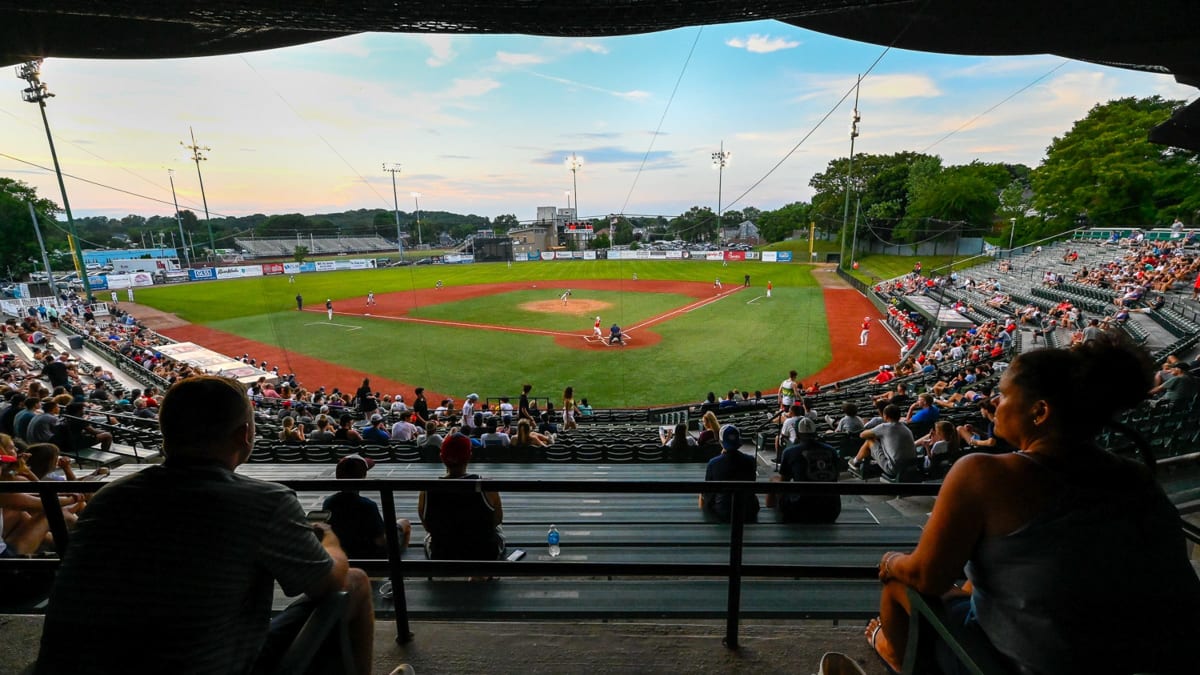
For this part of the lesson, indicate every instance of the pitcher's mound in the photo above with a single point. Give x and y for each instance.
(572, 307)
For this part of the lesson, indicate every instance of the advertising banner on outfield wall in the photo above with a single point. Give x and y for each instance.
(589, 255)
(675, 255)
(458, 258)
(324, 266)
(715, 256)
(783, 256)
(735, 255)
(272, 268)
(547, 255)
(305, 267)
(292, 268)
(128, 280)
(752, 255)
(99, 283)
(768, 256)
(202, 273)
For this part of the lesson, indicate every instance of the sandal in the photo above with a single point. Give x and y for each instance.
(872, 633)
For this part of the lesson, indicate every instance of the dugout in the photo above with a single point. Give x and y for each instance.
(493, 249)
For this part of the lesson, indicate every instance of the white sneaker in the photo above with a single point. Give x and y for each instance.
(403, 669)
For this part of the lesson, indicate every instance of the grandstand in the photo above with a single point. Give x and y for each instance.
(626, 505)
(284, 247)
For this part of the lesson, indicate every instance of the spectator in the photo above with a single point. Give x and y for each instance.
(939, 445)
(528, 438)
(1180, 388)
(461, 525)
(79, 432)
(850, 422)
(787, 431)
(890, 444)
(45, 427)
(676, 438)
(710, 428)
(220, 586)
(356, 519)
(585, 408)
(432, 437)
(493, 436)
(923, 411)
(808, 459)
(376, 433)
(322, 434)
(420, 407)
(731, 464)
(570, 409)
(468, 413)
(23, 418)
(346, 431)
(1017, 522)
(405, 430)
(291, 433)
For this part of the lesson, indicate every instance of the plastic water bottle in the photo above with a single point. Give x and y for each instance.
(552, 541)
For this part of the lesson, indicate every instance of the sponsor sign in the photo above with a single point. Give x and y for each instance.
(589, 255)
(783, 256)
(272, 268)
(292, 268)
(714, 256)
(361, 264)
(768, 256)
(735, 255)
(324, 266)
(752, 255)
(675, 255)
(547, 255)
(202, 273)
(99, 283)
(304, 267)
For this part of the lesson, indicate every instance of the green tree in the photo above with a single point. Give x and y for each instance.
(300, 253)
(505, 222)
(781, 223)
(18, 244)
(959, 199)
(600, 241)
(1105, 167)
(622, 232)
(285, 225)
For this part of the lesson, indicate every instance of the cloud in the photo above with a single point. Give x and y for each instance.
(517, 59)
(469, 88)
(631, 95)
(874, 87)
(441, 49)
(587, 46)
(762, 44)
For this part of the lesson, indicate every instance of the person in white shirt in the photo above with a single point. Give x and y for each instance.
(404, 430)
(468, 412)
(398, 404)
(506, 411)
(494, 436)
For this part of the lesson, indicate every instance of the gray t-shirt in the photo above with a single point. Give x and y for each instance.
(894, 444)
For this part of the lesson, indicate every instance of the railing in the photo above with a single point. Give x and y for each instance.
(397, 569)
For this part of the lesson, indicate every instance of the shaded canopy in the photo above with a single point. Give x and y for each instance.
(1156, 36)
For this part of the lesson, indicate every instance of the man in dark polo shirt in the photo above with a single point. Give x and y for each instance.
(181, 558)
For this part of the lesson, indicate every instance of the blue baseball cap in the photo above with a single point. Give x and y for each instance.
(731, 438)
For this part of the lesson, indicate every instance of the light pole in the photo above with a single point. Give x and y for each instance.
(720, 159)
(854, 120)
(394, 168)
(37, 92)
(417, 202)
(198, 157)
(1012, 230)
(568, 195)
(187, 259)
(575, 164)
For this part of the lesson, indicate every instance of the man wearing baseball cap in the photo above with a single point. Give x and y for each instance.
(461, 525)
(731, 464)
(355, 519)
(807, 459)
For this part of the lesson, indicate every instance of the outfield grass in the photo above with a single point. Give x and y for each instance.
(742, 340)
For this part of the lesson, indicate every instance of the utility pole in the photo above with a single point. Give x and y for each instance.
(187, 259)
(393, 168)
(197, 157)
(854, 120)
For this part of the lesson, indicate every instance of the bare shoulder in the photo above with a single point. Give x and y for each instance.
(981, 469)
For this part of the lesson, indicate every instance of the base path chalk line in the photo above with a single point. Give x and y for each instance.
(755, 299)
(335, 325)
(685, 309)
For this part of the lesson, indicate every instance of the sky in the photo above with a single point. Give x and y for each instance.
(485, 124)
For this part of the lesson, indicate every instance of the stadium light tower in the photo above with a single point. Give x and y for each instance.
(197, 157)
(37, 92)
(720, 160)
(417, 202)
(575, 164)
(1012, 231)
(394, 168)
(854, 120)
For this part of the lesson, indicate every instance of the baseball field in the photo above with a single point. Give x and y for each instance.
(489, 328)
